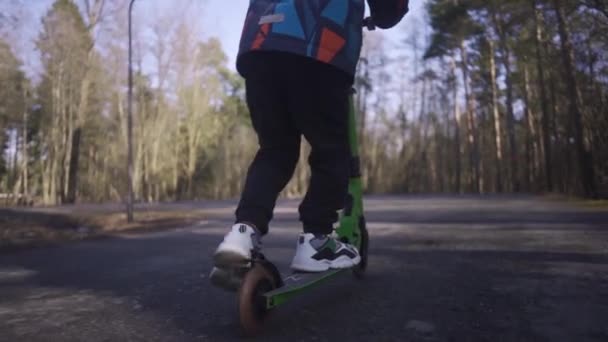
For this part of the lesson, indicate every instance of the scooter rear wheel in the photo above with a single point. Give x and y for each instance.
(251, 300)
(359, 270)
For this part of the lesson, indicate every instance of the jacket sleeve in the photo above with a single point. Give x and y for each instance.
(388, 13)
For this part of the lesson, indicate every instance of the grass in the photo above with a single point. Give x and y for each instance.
(601, 204)
(27, 228)
(595, 204)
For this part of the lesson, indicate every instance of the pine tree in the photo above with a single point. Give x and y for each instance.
(65, 46)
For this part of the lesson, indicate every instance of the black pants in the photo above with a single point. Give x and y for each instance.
(290, 96)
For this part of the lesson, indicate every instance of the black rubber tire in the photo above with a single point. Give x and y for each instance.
(359, 270)
(251, 302)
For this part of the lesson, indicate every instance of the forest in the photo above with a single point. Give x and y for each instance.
(481, 97)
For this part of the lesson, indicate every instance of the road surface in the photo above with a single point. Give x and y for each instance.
(441, 269)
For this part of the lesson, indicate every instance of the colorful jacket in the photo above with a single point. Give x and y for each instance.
(330, 31)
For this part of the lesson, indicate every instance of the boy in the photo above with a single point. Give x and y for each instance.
(298, 58)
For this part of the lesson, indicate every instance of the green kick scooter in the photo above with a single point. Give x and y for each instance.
(261, 287)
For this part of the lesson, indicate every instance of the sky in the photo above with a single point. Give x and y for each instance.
(219, 18)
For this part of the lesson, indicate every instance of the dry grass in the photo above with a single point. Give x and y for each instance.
(595, 204)
(20, 228)
(601, 204)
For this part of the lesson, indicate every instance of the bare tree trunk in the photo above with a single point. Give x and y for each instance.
(457, 147)
(532, 149)
(154, 169)
(77, 135)
(67, 149)
(418, 156)
(362, 116)
(15, 168)
(45, 179)
(48, 176)
(94, 12)
(506, 60)
(446, 151)
(147, 183)
(362, 100)
(538, 37)
(557, 148)
(511, 125)
(586, 175)
(175, 178)
(423, 125)
(58, 140)
(53, 189)
(439, 160)
(73, 165)
(497, 120)
(24, 142)
(471, 123)
(373, 157)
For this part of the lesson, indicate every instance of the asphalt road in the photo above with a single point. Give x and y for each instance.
(441, 269)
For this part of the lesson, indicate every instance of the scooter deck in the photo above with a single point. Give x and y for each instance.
(294, 284)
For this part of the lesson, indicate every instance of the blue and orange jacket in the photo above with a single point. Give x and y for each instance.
(330, 31)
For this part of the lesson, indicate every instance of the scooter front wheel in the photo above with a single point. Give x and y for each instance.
(251, 301)
(359, 270)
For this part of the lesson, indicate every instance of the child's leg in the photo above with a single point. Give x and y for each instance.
(319, 103)
(279, 142)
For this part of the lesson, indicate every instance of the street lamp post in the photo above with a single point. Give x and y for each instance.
(130, 126)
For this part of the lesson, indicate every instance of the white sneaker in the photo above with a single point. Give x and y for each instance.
(237, 248)
(318, 254)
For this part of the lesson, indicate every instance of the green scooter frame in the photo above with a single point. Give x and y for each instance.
(263, 288)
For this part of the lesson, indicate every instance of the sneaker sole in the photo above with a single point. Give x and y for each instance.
(345, 262)
(322, 266)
